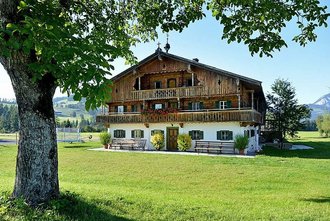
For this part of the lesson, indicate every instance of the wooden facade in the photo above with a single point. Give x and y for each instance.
(167, 88)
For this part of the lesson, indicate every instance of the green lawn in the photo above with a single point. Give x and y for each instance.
(277, 185)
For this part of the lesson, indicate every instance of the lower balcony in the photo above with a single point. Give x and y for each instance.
(243, 116)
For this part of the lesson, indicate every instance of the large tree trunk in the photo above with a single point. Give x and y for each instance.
(37, 162)
(37, 165)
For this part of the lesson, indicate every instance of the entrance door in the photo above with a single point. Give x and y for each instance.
(172, 136)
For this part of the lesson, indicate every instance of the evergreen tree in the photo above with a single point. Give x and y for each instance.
(284, 109)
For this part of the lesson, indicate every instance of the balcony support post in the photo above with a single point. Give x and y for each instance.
(139, 83)
(252, 96)
(192, 79)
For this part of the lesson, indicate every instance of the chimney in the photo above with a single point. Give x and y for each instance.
(196, 59)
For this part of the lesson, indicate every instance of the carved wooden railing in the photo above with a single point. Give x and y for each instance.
(205, 116)
(168, 93)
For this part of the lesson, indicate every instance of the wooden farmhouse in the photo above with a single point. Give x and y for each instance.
(172, 95)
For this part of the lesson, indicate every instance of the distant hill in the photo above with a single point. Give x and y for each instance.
(320, 106)
(65, 108)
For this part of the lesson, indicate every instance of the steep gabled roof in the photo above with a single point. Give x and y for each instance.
(188, 61)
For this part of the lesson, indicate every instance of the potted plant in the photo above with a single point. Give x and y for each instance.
(184, 142)
(105, 139)
(158, 141)
(241, 143)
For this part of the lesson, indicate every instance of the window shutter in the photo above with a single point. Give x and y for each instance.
(228, 104)
(230, 135)
(218, 135)
(141, 107)
(142, 134)
(153, 106)
(217, 104)
(132, 133)
(189, 106)
(190, 134)
(201, 135)
(124, 133)
(116, 108)
(201, 105)
(125, 108)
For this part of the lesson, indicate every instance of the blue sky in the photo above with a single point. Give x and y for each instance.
(307, 68)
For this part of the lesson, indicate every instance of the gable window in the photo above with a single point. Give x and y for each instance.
(196, 134)
(153, 132)
(224, 135)
(189, 82)
(195, 105)
(171, 83)
(158, 84)
(119, 134)
(137, 133)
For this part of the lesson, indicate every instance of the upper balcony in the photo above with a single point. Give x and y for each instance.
(169, 93)
(242, 116)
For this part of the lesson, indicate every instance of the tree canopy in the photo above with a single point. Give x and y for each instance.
(76, 41)
(283, 109)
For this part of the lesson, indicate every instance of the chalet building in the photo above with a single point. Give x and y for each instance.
(172, 95)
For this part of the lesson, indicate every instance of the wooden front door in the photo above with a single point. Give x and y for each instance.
(172, 136)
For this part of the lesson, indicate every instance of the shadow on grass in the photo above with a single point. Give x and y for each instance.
(69, 206)
(318, 200)
(321, 151)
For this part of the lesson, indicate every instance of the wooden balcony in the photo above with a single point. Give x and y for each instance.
(243, 116)
(169, 93)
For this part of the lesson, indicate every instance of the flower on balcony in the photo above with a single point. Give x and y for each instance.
(159, 111)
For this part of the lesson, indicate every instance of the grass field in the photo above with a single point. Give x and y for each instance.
(276, 185)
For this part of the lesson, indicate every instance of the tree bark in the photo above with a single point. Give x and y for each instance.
(37, 160)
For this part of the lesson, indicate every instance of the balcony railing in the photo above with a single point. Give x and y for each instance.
(168, 93)
(251, 116)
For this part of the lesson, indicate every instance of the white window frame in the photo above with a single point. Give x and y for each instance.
(222, 105)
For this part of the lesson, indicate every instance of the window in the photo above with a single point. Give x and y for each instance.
(158, 106)
(171, 83)
(134, 108)
(222, 104)
(158, 84)
(173, 105)
(189, 82)
(224, 135)
(157, 132)
(120, 109)
(137, 133)
(119, 134)
(196, 134)
(195, 106)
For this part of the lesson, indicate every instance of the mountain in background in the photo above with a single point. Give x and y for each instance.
(320, 106)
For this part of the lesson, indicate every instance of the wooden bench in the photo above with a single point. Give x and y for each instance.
(128, 144)
(214, 147)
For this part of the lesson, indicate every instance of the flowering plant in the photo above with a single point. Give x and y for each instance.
(159, 111)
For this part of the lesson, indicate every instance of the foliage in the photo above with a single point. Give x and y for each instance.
(8, 118)
(173, 187)
(158, 141)
(241, 141)
(184, 142)
(105, 138)
(284, 110)
(61, 37)
(323, 124)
